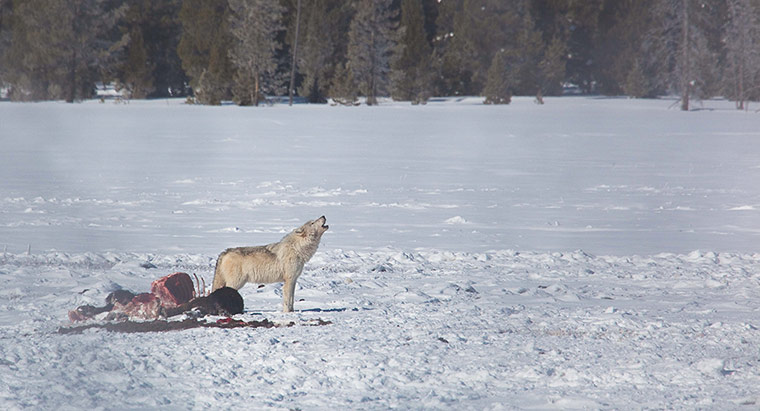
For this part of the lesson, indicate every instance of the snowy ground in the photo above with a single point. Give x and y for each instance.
(452, 271)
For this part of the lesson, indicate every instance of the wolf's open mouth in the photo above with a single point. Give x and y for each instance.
(324, 223)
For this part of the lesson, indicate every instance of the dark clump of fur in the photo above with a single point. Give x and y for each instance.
(224, 301)
(88, 311)
(122, 297)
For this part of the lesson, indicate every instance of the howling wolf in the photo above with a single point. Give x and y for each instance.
(276, 262)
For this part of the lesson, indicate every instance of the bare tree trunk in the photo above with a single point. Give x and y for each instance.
(371, 88)
(295, 54)
(740, 96)
(685, 82)
(256, 90)
(253, 93)
(71, 97)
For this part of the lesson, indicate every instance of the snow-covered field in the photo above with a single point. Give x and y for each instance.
(589, 253)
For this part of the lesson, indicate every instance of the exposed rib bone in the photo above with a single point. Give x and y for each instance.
(197, 291)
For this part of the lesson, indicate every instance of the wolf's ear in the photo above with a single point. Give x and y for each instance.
(300, 231)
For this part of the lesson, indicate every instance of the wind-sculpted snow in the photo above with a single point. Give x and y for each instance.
(409, 329)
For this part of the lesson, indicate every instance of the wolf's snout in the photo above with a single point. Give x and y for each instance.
(324, 221)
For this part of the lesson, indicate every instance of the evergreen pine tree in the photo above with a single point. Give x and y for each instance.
(498, 89)
(321, 43)
(619, 51)
(214, 82)
(742, 35)
(370, 47)
(60, 49)
(552, 68)
(89, 52)
(6, 9)
(531, 67)
(636, 82)
(577, 24)
(314, 55)
(204, 49)
(138, 76)
(411, 68)
(451, 75)
(340, 16)
(678, 47)
(160, 27)
(481, 28)
(254, 26)
(524, 53)
(581, 39)
(343, 89)
(32, 70)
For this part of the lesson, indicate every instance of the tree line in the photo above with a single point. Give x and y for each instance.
(244, 50)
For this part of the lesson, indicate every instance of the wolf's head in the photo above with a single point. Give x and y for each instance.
(313, 229)
(304, 240)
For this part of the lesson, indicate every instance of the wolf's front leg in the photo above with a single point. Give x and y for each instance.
(288, 291)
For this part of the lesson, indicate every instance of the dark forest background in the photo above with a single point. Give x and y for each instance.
(244, 50)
